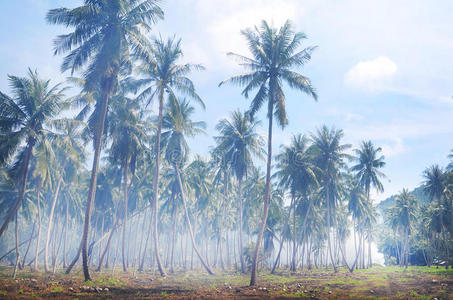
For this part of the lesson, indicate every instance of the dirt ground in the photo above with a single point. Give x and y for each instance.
(374, 283)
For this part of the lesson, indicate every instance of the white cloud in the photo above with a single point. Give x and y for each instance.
(371, 74)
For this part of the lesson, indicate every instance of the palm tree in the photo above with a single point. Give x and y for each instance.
(368, 164)
(69, 154)
(436, 186)
(402, 217)
(274, 55)
(297, 174)
(22, 119)
(177, 124)
(162, 74)
(105, 32)
(329, 157)
(128, 132)
(239, 142)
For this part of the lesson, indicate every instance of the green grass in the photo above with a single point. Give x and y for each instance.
(295, 295)
(57, 289)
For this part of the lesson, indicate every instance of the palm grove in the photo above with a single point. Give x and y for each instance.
(148, 203)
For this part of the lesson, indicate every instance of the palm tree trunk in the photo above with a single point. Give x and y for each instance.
(107, 88)
(173, 237)
(49, 227)
(38, 191)
(329, 246)
(65, 232)
(141, 241)
(23, 181)
(29, 243)
(293, 261)
(123, 248)
(101, 259)
(146, 242)
(266, 194)
(240, 212)
(277, 260)
(189, 224)
(156, 184)
(16, 231)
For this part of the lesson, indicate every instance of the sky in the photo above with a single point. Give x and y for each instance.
(382, 69)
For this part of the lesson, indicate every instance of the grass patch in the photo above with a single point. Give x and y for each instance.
(57, 289)
(295, 295)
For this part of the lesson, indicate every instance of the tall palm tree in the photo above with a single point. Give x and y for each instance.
(274, 56)
(239, 142)
(69, 155)
(105, 34)
(177, 124)
(128, 133)
(368, 174)
(329, 157)
(22, 120)
(163, 75)
(296, 173)
(402, 217)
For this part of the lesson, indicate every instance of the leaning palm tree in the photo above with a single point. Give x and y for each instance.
(329, 157)
(162, 74)
(22, 119)
(274, 55)
(368, 174)
(105, 33)
(177, 124)
(239, 142)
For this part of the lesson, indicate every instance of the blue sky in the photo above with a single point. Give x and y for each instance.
(383, 69)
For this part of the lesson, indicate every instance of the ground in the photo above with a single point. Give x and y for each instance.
(374, 283)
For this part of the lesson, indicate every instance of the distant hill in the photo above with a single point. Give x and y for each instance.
(417, 192)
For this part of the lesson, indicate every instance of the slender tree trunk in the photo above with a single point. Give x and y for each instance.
(107, 88)
(16, 231)
(55, 258)
(38, 191)
(29, 243)
(123, 248)
(277, 260)
(329, 246)
(146, 242)
(293, 262)
(156, 184)
(189, 224)
(101, 259)
(65, 232)
(49, 227)
(28, 154)
(240, 212)
(142, 237)
(173, 237)
(266, 194)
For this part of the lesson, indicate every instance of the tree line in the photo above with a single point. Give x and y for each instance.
(148, 203)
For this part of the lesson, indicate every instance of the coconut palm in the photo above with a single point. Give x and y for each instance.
(368, 174)
(69, 155)
(177, 124)
(402, 217)
(239, 142)
(296, 173)
(105, 33)
(161, 74)
(329, 157)
(274, 55)
(128, 133)
(22, 120)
